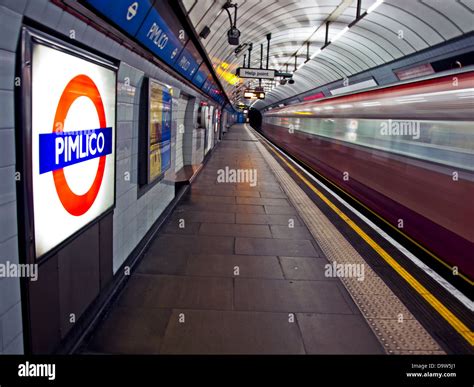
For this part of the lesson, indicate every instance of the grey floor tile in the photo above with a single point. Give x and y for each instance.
(264, 201)
(338, 334)
(289, 296)
(273, 195)
(238, 230)
(283, 220)
(304, 268)
(223, 191)
(131, 331)
(285, 232)
(245, 187)
(170, 244)
(204, 216)
(280, 210)
(196, 198)
(223, 208)
(226, 265)
(217, 332)
(171, 264)
(165, 291)
(264, 188)
(175, 226)
(286, 247)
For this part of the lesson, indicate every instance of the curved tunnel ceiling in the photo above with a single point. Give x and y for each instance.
(396, 28)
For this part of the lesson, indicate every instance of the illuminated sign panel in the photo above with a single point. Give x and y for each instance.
(159, 132)
(199, 78)
(415, 71)
(253, 94)
(127, 14)
(73, 137)
(354, 87)
(314, 96)
(255, 73)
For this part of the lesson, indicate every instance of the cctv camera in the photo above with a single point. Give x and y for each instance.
(233, 36)
(291, 81)
(283, 81)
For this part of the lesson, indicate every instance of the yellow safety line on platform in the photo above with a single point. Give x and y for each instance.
(457, 324)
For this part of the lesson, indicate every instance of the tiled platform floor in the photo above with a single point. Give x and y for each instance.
(235, 277)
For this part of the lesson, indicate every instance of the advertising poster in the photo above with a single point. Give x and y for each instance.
(73, 143)
(159, 134)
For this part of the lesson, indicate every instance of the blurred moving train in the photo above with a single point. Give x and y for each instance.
(405, 151)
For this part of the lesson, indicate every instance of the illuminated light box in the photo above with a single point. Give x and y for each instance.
(73, 99)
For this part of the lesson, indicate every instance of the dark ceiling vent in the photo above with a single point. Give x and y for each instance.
(205, 32)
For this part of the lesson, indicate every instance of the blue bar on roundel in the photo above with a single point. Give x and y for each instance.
(199, 78)
(61, 149)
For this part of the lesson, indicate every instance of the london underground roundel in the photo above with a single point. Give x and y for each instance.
(73, 135)
(81, 85)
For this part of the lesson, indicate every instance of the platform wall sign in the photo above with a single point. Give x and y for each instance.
(207, 86)
(73, 143)
(244, 72)
(159, 132)
(154, 25)
(159, 38)
(200, 76)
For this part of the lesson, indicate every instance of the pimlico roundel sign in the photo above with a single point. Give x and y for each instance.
(73, 134)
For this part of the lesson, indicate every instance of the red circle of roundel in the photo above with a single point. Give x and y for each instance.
(79, 86)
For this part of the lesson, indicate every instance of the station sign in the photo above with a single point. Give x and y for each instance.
(73, 143)
(159, 39)
(207, 86)
(201, 75)
(127, 14)
(244, 72)
(189, 60)
(199, 78)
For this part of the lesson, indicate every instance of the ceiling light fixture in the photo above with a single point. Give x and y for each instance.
(374, 6)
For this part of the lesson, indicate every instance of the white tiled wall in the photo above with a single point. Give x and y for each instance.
(198, 145)
(133, 216)
(11, 338)
(191, 124)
